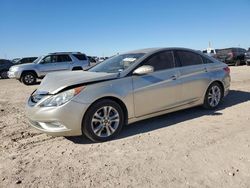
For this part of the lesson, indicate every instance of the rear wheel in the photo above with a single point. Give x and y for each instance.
(29, 78)
(103, 121)
(4, 74)
(213, 96)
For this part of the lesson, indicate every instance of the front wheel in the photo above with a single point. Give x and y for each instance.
(28, 78)
(103, 121)
(213, 96)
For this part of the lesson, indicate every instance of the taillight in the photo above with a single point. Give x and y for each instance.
(227, 69)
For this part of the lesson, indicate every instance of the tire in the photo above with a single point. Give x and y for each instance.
(237, 63)
(247, 63)
(4, 75)
(29, 78)
(213, 96)
(98, 128)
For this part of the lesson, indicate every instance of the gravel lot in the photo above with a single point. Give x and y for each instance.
(190, 148)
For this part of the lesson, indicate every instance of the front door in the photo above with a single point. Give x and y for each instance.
(159, 90)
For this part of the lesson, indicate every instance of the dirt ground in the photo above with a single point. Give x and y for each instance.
(190, 148)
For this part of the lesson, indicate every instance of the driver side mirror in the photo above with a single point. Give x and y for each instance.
(145, 69)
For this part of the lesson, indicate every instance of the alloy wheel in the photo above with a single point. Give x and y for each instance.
(29, 78)
(105, 121)
(214, 96)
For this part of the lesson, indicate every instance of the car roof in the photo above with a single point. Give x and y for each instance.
(56, 53)
(234, 48)
(153, 50)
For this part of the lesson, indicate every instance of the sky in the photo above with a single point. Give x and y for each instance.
(107, 27)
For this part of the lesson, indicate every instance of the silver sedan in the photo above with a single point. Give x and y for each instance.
(124, 89)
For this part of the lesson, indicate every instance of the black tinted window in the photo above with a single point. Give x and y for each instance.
(206, 60)
(80, 56)
(23, 60)
(189, 58)
(161, 61)
(63, 58)
(33, 59)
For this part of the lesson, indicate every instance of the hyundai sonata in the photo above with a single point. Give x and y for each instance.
(126, 88)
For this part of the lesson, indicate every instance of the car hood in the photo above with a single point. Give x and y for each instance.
(57, 81)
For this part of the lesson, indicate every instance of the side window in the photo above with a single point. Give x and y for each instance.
(63, 58)
(161, 61)
(47, 59)
(189, 58)
(206, 60)
(80, 57)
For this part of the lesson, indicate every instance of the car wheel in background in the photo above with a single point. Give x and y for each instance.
(247, 63)
(29, 78)
(4, 74)
(237, 63)
(213, 96)
(103, 120)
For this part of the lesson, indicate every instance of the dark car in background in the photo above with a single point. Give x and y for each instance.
(25, 60)
(15, 60)
(4, 67)
(92, 60)
(247, 57)
(231, 56)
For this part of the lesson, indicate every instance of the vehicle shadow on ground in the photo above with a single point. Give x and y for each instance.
(163, 121)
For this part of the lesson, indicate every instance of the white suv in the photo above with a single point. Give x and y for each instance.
(29, 73)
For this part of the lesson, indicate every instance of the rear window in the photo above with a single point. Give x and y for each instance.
(80, 57)
(206, 60)
(189, 58)
(63, 58)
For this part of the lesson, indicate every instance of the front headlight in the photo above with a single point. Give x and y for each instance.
(61, 98)
(13, 68)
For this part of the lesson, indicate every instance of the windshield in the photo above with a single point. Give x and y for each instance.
(117, 63)
(38, 59)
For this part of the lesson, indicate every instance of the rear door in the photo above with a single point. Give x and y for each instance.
(159, 90)
(193, 76)
(52, 63)
(62, 62)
